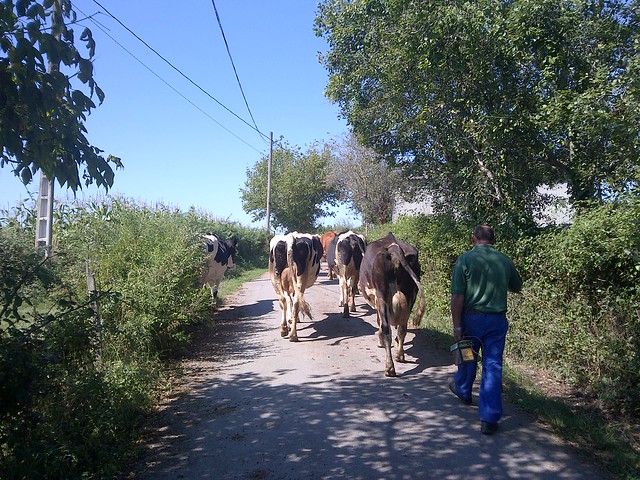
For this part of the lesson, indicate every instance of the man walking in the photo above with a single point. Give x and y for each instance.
(481, 279)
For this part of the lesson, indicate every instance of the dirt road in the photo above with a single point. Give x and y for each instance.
(256, 406)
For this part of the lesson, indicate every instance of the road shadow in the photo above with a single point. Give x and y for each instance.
(252, 405)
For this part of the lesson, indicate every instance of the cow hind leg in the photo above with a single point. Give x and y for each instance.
(284, 328)
(384, 339)
(293, 336)
(352, 294)
(402, 333)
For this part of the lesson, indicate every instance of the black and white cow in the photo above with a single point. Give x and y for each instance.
(220, 256)
(390, 283)
(299, 254)
(348, 251)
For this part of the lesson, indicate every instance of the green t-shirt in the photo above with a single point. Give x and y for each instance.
(484, 275)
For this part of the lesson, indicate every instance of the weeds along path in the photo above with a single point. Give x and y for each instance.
(255, 406)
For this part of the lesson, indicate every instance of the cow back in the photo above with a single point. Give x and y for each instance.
(326, 239)
(303, 257)
(350, 247)
(330, 253)
(382, 266)
(278, 254)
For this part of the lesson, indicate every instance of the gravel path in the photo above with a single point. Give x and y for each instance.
(255, 406)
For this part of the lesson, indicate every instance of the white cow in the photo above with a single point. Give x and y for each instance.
(296, 255)
(220, 257)
(349, 251)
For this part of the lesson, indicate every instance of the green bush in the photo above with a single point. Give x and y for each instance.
(578, 314)
(78, 372)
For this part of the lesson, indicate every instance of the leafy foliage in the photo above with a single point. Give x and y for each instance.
(300, 190)
(365, 181)
(580, 309)
(42, 112)
(482, 102)
(78, 371)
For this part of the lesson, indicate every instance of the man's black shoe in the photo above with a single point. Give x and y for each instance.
(452, 387)
(488, 428)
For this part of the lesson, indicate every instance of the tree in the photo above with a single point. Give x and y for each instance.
(300, 192)
(365, 180)
(46, 91)
(482, 102)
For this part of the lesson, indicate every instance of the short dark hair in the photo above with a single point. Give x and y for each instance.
(485, 233)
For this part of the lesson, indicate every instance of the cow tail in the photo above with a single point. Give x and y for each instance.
(417, 318)
(306, 309)
(292, 266)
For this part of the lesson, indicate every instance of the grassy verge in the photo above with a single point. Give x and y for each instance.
(231, 284)
(610, 442)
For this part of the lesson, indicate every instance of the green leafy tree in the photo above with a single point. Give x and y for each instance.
(300, 191)
(365, 180)
(46, 91)
(482, 102)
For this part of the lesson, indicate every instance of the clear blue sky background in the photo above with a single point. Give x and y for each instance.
(174, 153)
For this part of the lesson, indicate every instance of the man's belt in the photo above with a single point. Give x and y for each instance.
(477, 312)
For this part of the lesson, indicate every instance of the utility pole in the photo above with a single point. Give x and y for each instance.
(44, 221)
(269, 179)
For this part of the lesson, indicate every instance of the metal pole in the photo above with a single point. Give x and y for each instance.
(269, 179)
(44, 225)
(44, 219)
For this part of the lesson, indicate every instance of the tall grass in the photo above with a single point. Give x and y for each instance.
(78, 372)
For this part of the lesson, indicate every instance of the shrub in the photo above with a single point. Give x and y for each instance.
(78, 372)
(579, 313)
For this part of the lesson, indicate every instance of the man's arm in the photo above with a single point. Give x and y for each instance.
(457, 304)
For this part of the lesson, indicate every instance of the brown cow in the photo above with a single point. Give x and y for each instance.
(390, 283)
(325, 240)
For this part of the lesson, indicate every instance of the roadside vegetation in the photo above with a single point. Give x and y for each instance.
(79, 371)
(471, 105)
(572, 348)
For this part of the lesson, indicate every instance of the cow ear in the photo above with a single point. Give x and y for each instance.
(235, 241)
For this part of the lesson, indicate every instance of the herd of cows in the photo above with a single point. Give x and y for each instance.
(385, 272)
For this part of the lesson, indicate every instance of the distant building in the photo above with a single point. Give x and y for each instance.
(557, 212)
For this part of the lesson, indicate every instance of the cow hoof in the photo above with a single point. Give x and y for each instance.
(345, 312)
(353, 309)
(284, 333)
(390, 373)
(293, 339)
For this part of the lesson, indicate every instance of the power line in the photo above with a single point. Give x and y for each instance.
(179, 71)
(103, 29)
(233, 64)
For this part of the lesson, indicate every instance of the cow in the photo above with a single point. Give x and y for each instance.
(349, 251)
(300, 253)
(220, 256)
(390, 282)
(326, 239)
(288, 291)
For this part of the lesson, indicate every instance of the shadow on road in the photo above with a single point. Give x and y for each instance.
(267, 408)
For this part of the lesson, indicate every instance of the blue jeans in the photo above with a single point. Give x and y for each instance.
(488, 333)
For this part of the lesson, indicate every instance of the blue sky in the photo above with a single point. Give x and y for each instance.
(173, 152)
